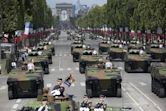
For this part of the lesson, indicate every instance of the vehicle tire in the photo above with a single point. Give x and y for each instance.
(127, 68)
(39, 92)
(89, 92)
(82, 70)
(10, 94)
(119, 92)
(161, 92)
(46, 71)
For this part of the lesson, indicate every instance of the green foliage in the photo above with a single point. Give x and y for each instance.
(17, 12)
(135, 14)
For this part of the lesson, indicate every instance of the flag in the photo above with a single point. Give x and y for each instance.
(69, 80)
(28, 28)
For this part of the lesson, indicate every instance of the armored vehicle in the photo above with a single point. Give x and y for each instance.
(49, 47)
(44, 52)
(136, 62)
(158, 54)
(77, 51)
(158, 75)
(40, 61)
(74, 44)
(116, 52)
(87, 59)
(25, 84)
(103, 81)
(8, 54)
(104, 47)
(54, 104)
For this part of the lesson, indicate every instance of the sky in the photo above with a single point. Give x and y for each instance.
(52, 3)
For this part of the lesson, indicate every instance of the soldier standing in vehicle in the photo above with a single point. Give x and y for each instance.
(100, 106)
(108, 65)
(31, 66)
(44, 106)
(85, 105)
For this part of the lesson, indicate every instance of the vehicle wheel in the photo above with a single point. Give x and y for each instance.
(119, 92)
(46, 71)
(89, 93)
(161, 92)
(39, 92)
(82, 70)
(127, 68)
(10, 94)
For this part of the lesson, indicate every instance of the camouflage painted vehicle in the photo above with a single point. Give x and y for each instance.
(54, 104)
(75, 44)
(8, 54)
(134, 62)
(116, 53)
(104, 47)
(77, 51)
(40, 61)
(87, 59)
(157, 54)
(158, 75)
(45, 53)
(24, 84)
(103, 81)
(50, 47)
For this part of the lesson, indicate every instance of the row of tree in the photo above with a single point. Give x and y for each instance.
(135, 14)
(14, 14)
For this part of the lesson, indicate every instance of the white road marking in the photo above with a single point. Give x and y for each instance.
(3, 87)
(142, 83)
(65, 55)
(15, 106)
(69, 69)
(82, 83)
(136, 103)
(77, 68)
(60, 55)
(120, 68)
(18, 100)
(72, 85)
(146, 96)
(123, 88)
(49, 85)
(61, 69)
(52, 69)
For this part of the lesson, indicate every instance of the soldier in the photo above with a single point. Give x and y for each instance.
(85, 105)
(100, 106)
(141, 52)
(31, 66)
(58, 89)
(108, 65)
(14, 65)
(44, 106)
(94, 52)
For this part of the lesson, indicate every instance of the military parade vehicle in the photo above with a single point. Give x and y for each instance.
(158, 75)
(25, 84)
(75, 43)
(117, 51)
(101, 81)
(39, 60)
(8, 54)
(77, 51)
(53, 104)
(104, 47)
(136, 62)
(49, 45)
(157, 52)
(87, 59)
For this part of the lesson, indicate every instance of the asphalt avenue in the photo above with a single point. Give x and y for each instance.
(136, 88)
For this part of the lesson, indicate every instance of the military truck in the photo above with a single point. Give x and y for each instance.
(77, 51)
(54, 104)
(39, 61)
(25, 84)
(136, 62)
(116, 52)
(100, 81)
(158, 54)
(104, 47)
(87, 59)
(158, 75)
(8, 54)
